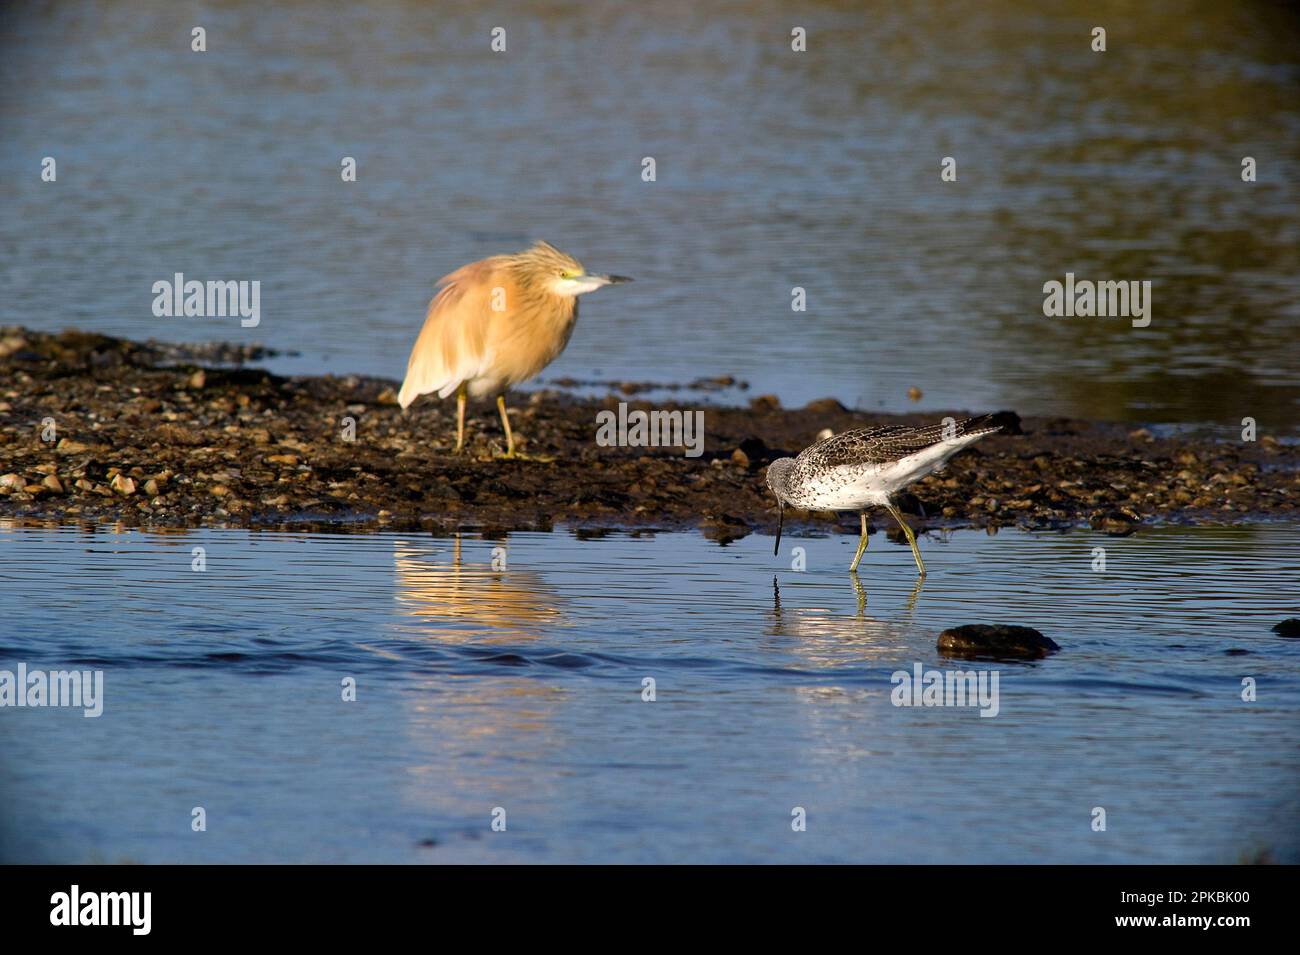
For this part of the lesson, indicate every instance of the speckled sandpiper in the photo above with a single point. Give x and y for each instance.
(855, 470)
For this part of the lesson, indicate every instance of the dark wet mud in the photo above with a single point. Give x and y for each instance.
(102, 429)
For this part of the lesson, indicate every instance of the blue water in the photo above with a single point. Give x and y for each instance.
(521, 689)
(775, 170)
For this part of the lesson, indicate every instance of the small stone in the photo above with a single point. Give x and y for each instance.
(288, 460)
(914, 393)
(10, 344)
(995, 642)
(151, 487)
(68, 446)
(53, 483)
(220, 490)
(1114, 524)
(387, 397)
(122, 484)
(83, 485)
(1141, 434)
(197, 380)
(765, 403)
(822, 406)
(740, 457)
(13, 481)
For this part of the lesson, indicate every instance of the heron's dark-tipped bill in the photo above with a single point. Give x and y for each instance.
(615, 279)
(780, 523)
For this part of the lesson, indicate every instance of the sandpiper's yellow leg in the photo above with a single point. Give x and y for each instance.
(916, 592)
(859, 591)
(505, 421)
(911, 538)
(862, 544)
(460, 417)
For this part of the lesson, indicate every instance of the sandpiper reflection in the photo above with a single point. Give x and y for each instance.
(824, 633)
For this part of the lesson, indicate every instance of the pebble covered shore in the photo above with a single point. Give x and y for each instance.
(100, 429)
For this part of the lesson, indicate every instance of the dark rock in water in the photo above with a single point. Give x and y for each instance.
(1288, 628)
(995, 641)
(1117, 523)
(724, 528)
(1236, 652)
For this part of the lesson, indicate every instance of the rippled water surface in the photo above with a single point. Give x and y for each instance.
(774, 170)
(521, 688)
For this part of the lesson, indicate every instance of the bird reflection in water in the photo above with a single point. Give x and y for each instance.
(825, 635)
(481, 599)
(467, 727)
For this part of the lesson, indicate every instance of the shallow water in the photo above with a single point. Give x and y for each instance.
(774, 170)
(521, 689)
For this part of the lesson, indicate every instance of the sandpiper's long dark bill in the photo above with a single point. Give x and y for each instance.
(855, 470)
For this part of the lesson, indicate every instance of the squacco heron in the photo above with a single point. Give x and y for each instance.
(495, 323)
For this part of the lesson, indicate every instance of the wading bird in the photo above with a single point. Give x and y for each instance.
(495, 323)
(855, 470)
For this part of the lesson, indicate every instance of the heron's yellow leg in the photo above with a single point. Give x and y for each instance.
(505, 422)
(862, 544)
(911, 538)
(460, 418)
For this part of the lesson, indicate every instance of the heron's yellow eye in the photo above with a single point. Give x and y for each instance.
(566, 275)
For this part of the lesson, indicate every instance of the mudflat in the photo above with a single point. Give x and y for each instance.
(95, 428)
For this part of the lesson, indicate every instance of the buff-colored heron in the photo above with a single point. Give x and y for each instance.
(494, 324)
